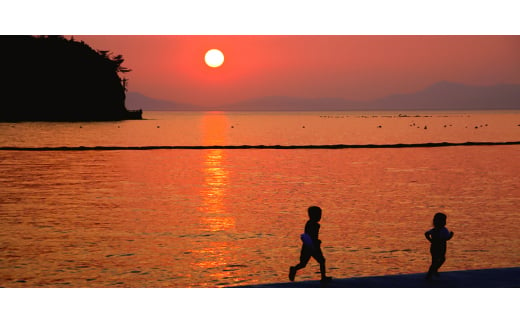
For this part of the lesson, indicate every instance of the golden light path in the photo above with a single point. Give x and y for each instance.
(215, 182)
(214, 215)
(214, 129)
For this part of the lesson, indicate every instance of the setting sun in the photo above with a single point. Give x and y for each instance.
(214, 58)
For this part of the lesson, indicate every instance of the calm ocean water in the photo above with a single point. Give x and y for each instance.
(227, 217)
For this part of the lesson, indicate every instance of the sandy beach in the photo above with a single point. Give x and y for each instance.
(482, 278)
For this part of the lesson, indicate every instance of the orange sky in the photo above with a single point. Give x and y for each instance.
(350, 67)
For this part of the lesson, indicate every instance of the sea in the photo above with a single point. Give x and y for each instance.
(219, 199)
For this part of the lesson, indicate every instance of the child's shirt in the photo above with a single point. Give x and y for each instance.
(313, 229)
(439, 236)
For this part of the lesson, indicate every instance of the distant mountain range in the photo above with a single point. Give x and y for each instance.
(135, 101)
(446, 95)
(440, 96)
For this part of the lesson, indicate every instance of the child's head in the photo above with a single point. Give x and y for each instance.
(314, 213)
(439, 220)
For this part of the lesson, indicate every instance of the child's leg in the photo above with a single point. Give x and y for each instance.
(438, 263)
(305, 255)
(440, 257)
(432, 269)
(318, 255)
(322, 268)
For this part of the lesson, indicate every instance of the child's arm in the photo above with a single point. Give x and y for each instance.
(451, 235)
(427, 234)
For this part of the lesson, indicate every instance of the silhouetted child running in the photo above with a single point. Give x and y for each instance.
(311, 245)
(438, 237)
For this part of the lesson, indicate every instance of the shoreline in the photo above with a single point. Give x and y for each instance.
(479, 278)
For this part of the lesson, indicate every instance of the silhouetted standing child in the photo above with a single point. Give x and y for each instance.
(311, 245)
(438, 237)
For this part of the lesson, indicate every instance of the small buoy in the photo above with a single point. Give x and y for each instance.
(380, 126)
(158, 126)
(425, 127)
(303, 126)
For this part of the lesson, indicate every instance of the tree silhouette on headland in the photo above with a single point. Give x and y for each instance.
(51, 78)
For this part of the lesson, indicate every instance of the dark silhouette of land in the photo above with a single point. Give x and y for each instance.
(51, 78)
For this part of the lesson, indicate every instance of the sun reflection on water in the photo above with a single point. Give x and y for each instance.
(215, 183)
(214, 257)
(216, 177)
